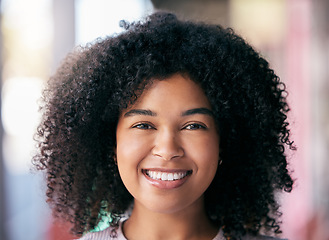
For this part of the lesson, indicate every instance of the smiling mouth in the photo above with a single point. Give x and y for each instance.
(167, 176)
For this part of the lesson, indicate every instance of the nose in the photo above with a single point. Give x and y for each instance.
(167, 145)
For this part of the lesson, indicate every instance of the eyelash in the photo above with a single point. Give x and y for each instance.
(191, 126)
(196, 126)
(143, 126)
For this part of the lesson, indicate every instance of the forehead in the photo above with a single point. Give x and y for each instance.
(174, 91)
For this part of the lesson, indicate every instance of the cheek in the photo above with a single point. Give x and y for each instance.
(131, 150)
(206, 157)
(126, 147)
(128, 153)
(205, 149)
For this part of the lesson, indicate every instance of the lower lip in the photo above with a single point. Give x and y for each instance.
(166, 184)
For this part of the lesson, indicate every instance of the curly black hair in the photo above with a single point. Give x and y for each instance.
(83, 100)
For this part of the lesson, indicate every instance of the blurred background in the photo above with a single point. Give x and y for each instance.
(36, 34)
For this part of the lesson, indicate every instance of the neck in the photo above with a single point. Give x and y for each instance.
(189, 223)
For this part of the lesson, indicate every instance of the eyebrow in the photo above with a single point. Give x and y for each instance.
(139, 112)
(193, 111)
(189, 112)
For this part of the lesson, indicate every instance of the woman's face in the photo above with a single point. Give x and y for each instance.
(168, 146)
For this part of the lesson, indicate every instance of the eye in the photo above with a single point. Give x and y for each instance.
(143, 126)
(194, 126)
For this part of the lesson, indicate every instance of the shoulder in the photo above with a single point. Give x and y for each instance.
(220, 236)
(249, 237)
(108, 234)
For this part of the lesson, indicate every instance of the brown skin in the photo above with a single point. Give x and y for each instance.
(168, 138)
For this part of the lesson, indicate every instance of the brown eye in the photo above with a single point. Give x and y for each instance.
(194, 126)
(143, 126)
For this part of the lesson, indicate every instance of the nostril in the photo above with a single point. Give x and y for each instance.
(168, 154)
(167, 157)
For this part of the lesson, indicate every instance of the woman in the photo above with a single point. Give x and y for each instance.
(173, 129)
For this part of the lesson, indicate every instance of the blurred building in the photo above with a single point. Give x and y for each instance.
(36, 34)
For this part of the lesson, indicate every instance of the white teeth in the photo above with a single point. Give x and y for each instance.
(166, 176)
(157, 175)
(170, 177)
(176, 176)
